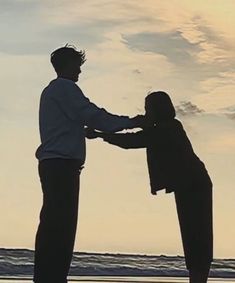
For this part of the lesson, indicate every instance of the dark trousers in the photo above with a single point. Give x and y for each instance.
(194, 208)
(58, 219)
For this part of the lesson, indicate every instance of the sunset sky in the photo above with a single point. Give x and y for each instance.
(184, 47)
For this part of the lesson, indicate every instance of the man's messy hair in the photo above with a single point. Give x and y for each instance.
(64, 55)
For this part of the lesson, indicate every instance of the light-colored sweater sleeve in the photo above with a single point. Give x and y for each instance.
(78, 107)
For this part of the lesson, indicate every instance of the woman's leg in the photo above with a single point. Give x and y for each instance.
(194, 208)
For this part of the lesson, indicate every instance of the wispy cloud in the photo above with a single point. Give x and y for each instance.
(172, 45)
(217, 92)
(229, 112)
(213, 47)
(186, 108)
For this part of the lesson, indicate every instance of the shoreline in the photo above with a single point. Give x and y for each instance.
(120, 279)
(17, 264)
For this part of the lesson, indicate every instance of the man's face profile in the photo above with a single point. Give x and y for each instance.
(73, 70)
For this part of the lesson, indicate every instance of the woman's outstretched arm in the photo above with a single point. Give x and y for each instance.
(123, 140)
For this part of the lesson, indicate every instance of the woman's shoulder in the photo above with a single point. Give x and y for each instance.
(169, 125)
(166, 127)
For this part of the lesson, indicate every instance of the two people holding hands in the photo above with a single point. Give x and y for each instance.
(64, 113)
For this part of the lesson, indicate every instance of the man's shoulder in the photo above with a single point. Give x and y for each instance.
(60, 85)
(67, 85)
(62, 82)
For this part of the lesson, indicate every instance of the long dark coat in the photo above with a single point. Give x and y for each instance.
(174, 166)
(172, 163)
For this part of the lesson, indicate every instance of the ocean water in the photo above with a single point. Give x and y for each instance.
(97, 267)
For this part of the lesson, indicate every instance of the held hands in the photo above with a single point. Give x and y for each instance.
(140, 121)
(92, 134)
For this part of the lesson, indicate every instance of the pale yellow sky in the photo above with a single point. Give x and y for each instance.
(186, 48)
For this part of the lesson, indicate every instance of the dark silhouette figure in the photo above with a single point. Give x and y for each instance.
(174, 166)
(64, 111)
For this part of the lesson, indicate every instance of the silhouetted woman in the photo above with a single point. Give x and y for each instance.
(174, 166)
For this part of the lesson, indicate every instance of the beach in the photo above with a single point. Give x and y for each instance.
(17, 266)
(124, 279)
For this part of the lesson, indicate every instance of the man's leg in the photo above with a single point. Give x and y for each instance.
(58, 219)
(194, 208)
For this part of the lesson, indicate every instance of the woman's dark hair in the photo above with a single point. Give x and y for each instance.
(160, 104)
(64, 55)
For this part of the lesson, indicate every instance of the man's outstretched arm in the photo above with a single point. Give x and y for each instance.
(79, 108)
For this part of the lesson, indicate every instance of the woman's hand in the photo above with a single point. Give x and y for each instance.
(92, 134)
(142, 121)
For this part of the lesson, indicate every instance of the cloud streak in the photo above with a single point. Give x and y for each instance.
(187, 108)
(229, 112)
(172, 45)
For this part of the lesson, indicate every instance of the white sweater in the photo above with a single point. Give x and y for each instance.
(63, 113)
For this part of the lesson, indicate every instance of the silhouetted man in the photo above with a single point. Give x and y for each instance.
(64, 111)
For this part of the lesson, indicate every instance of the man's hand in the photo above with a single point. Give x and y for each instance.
(141, 121)
(92, 134)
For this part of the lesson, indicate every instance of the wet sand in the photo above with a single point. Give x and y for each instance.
(117, 279)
